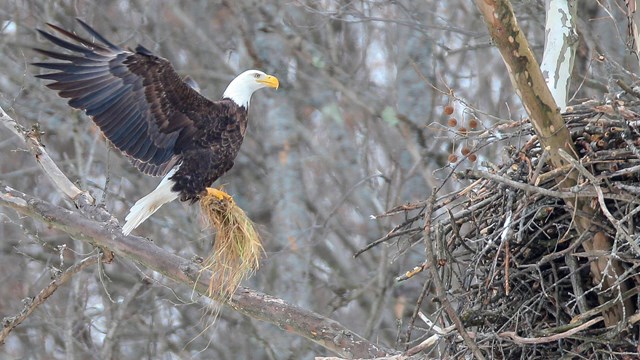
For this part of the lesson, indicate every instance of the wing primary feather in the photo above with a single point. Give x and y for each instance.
(161, 157)
(156, 170)
(63, 43)
(77, 38)
(67, 77)
(97, 35)
(77, 60)
(81, 84)
(88, 85)
(145, 152)
(71, 68)
(135, 143)
(118, 129)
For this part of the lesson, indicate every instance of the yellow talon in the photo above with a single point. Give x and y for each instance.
(219, 194)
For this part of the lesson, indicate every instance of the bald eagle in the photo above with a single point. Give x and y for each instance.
(160, 122)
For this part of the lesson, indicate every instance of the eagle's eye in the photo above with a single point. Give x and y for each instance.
(257, 76)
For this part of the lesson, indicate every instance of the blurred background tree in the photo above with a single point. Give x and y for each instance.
(359, 126)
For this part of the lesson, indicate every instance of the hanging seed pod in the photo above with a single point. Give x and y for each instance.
(448, 110)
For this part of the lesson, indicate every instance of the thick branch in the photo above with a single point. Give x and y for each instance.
(312, 326)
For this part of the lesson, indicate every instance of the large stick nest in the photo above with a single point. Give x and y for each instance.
(507, 250)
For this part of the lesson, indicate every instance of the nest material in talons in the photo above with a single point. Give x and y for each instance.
(237, 247)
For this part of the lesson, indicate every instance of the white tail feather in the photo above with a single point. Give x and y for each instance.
(149, 204)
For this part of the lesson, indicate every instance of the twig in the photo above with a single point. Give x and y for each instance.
(603, 206)
(507, 260)
(32, 303)
(416, 311)
(505, 235)
(413, 272)
(576, 283)
(558, 254)
(469, 210)
(392, 357)
(440, 293)
(627, 88)
(118, 319)
(430, 341)
(541, 162)
(390, 235)
(589, 192)
(547, 339)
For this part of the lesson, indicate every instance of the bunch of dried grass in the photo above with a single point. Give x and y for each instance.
(237, 247)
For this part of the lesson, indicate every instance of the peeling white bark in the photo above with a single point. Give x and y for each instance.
(561, 40)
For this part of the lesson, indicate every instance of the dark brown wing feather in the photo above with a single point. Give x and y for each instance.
(136, 98)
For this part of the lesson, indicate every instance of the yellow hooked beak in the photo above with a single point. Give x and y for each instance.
(270, 81)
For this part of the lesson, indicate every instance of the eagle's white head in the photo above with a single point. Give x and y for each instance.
(242, 87)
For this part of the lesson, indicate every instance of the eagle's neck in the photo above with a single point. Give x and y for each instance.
(239, 94)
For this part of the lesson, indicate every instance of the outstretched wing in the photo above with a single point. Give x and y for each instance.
(136, 98)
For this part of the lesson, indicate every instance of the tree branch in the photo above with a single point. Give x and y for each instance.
(60, 180)
(547, 339)
(326, 332)
(32, 303)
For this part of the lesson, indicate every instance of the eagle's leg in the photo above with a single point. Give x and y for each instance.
(221, 195)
